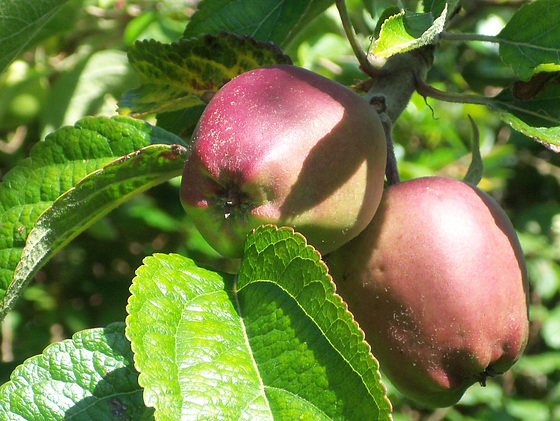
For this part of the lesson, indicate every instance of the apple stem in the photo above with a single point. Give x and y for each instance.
(398, 82)
(391, 170)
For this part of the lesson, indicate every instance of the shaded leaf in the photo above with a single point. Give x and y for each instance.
(278, 345)
(407, 31)
(56, 165)
(278, 21)
(185, 74)
(537, 117)
(181, 122)
(531, 40)
(526, 90)
(304, 341)
(436, 7)
(90, 376)
(19, 22)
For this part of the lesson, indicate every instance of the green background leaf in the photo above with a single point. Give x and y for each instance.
(437, 6)
(531, 38)
(90, 377)
(278, 21)
(90, 88)
(279, 344)
(19, 22)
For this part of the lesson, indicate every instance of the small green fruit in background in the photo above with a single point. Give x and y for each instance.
(286, 146)
(438, 283)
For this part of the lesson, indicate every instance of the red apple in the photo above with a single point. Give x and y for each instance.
(438, 283)
(286, 146)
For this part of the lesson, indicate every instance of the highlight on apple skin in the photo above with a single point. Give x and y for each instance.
(438, 283)
(286, 146)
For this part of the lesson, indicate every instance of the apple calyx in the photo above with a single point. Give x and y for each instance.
(235, 203)
(489, 372)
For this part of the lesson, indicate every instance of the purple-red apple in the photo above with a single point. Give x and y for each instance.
(286, 146)
(438, 283)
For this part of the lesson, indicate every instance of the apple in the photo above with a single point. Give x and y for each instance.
(438, 284)
(285, 146)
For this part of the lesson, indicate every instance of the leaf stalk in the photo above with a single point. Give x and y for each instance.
(429, 91)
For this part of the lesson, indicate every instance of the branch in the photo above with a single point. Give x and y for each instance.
(429, 91)
(365, 65)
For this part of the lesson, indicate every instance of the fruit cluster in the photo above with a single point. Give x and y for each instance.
(431, 268)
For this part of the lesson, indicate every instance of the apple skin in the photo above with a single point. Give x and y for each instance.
(438, 283)
(286, 146)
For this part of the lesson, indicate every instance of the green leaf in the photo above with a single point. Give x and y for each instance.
(407, 31)
(386, 14)
(93, 197)
(476, 167)
(535, 116)
(278, 345)
(535, 365)
(54, 167)
(530, 41)
(185, 74)
(90, 377)
(436, 7)
(181, 122)
(304, 341)
(278, 21)
(189, 343)
(19, 22)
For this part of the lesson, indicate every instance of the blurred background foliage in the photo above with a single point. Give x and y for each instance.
(77, 66)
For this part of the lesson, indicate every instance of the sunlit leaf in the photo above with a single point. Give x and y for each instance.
(407, 31)
(278, 344)
(88, 377)
(56, 166)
